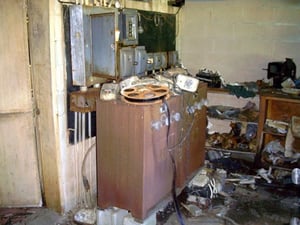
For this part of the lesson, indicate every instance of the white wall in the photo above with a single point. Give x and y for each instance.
(239, 37)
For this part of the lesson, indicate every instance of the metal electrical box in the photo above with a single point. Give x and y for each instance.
(93, 47)
(128, 23)
(133, 61)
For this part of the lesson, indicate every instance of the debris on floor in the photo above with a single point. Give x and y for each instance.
(226, 191)
(229, 191)
(32, 216)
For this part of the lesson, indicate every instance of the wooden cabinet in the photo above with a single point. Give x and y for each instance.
(134, 167)
(279, 108)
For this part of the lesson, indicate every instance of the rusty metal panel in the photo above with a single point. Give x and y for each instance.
(80, 45)
(92, 33)
(134, 169)
(103, 40)
(195, 152)
(84, 101)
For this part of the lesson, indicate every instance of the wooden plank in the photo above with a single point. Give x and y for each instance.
(15, 86)
(40, 25)
(19, 176)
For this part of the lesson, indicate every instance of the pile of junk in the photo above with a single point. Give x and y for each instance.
(173, 81)
(242, 130)
(282, 154)
(230, 190)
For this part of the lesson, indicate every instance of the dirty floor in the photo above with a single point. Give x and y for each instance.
(239, 201)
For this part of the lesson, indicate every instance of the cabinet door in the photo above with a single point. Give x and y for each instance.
(103, 44)
(133, 166)
(195, 144)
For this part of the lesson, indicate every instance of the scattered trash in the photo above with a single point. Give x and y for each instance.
(86, 216)
(273, 153)
(277, 126)
(295, 221)
(265, 174)
(192, 209)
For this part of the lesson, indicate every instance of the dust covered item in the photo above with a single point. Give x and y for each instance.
(147, 92)
(109, 91)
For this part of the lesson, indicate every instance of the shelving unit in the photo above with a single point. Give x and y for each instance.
(221, 125)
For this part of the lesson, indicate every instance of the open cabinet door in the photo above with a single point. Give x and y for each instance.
(20, 183)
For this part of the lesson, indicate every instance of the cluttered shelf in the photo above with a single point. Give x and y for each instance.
(277, 134)
(275, 127)
(232, 117)
(246, 114)
(233, 128)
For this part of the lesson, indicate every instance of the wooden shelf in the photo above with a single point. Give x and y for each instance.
(217, 90)
(231, 150)
(240, 115)
(234, 119)
(274, 133)
(278, 107)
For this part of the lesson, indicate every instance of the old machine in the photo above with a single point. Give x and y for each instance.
(150, 120)
(143, 135)
(280, 71)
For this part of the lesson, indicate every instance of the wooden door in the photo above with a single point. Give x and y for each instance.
(19, 174)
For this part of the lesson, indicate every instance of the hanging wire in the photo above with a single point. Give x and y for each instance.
(176, 204)
(85, 180)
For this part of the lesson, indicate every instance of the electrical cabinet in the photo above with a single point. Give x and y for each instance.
(135, 147)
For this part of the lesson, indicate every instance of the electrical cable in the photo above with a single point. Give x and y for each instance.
(170, 150)
(185, 136)
(169, 119)
(176, 204)
(85, 180)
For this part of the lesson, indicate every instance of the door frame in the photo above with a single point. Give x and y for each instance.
(40, 35)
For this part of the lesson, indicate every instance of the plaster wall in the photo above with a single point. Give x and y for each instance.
(238, 38)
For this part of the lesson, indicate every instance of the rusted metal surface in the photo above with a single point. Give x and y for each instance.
(84, 101)
(134, 168)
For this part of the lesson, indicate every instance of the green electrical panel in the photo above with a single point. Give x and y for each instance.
(157, 31)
